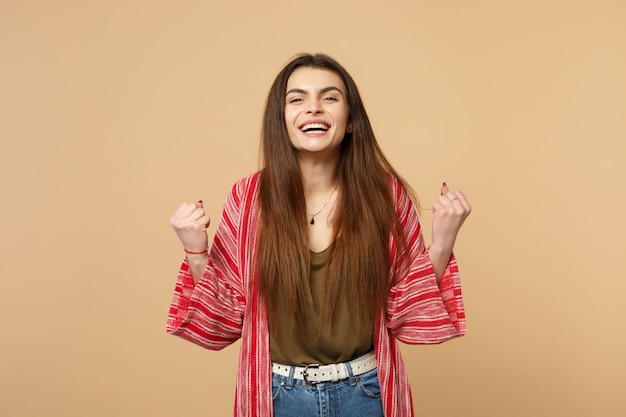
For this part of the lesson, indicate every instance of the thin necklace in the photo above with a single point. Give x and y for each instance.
(312, 221)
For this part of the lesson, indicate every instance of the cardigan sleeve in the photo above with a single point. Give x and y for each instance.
(420, 311)
(210, 313)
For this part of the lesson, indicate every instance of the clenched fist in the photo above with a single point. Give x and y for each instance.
(190, 222)
(449, 211)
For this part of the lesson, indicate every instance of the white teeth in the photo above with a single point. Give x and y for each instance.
(314, 126)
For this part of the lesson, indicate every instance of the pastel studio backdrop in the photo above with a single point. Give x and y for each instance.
(112, 113)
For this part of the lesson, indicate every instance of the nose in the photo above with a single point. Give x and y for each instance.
(315, 107)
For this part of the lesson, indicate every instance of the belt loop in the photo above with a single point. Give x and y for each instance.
(292, 370)
(353, 379)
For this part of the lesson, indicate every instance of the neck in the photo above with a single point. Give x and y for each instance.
(318, 176)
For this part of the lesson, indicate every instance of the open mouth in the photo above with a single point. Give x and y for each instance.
(314, 127)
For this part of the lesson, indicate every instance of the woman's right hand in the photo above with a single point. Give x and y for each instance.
(190, 222)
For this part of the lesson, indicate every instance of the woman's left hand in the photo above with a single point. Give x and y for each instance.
(449, 213)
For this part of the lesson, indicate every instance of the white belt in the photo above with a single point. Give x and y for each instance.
(314, 373)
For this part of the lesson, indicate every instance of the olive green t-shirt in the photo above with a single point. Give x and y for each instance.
(309, 343)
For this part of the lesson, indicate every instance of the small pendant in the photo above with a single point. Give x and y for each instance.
(312, 220)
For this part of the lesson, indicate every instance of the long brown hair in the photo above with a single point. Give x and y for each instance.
(358, 257)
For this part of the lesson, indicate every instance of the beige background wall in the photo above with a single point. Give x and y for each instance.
(113, 112)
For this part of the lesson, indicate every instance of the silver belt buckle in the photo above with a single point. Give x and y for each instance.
(305, 373)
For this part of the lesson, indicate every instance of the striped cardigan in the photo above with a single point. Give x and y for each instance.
(224, 305)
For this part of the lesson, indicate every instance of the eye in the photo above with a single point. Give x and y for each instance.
(295, 100)
(330, 98)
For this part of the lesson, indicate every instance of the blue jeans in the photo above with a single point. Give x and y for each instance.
(357, 396)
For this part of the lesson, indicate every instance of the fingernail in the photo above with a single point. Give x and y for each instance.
(443, 185)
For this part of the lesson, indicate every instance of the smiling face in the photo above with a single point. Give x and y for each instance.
(316, 111)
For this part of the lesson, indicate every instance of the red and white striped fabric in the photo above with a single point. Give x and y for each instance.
(224, 305)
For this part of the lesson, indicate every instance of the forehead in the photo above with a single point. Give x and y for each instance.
(312, 79)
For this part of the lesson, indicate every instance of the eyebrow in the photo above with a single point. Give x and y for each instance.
(322, 91)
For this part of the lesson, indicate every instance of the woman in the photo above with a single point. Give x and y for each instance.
(318, 263)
